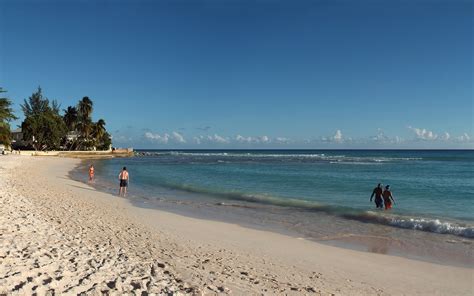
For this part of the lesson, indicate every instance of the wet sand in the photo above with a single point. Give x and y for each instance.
(61, 235)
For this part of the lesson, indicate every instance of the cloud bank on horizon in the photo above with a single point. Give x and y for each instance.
(419, 138)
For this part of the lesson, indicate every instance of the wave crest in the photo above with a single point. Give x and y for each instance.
(255, 156)
(416, 223)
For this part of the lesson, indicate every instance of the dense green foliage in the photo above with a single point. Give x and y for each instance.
(6, 115)
(43, 127)
(46, 129)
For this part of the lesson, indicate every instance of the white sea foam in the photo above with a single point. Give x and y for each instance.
(433, 225)
(310, 156)
(416, 223)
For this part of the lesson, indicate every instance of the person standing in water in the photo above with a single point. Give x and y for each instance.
(378, 196)
(388, 198)
(91, 173)
(123, 178)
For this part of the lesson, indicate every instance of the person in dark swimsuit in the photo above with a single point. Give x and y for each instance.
(378, 196)
(123, 178)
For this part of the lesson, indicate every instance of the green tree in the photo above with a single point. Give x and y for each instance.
(105, 142)
(101, 138)
(99, 129)
(36, 104)
(6, 115)
(85, 125)
(70, 118)
(43, 127)
(85, 108)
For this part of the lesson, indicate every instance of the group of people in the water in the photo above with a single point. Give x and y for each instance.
(382, 197)
(123, 177)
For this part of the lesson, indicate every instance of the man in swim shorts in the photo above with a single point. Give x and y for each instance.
(378, 196)
(388, 198)
(123, 178)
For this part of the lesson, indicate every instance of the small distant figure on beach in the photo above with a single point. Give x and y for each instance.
(91, 173)
(378, 196)
(123, 178)
(388, 198)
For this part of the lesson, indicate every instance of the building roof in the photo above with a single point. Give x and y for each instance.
(17, 130)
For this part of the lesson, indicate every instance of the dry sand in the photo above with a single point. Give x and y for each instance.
(59, 236)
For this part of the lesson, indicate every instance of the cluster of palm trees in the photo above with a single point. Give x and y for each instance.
(6, 115)
(84, 134)
(44, 128)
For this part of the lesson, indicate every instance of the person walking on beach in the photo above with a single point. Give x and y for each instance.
(378, 196)
(123, 178)
(91, 173)
(388, 198)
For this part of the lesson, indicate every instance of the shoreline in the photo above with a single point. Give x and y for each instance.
(78, 154)
(431, 247)
(203, 256)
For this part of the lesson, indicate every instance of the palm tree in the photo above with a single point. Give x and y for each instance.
(6, 115)
(85, 108)
(99, 131)
(70, 118)
(6, 112)
(85, 127)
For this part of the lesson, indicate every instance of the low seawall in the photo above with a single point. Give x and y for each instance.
(80, 154)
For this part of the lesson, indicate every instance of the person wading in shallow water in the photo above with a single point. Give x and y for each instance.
(123, 178)
(388, 198)
(378, 196)
(91, 173)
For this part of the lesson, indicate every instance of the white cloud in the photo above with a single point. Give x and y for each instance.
(254, 140)
(211, 139)
(157, 137)
(464, 138)
(165, 138)
(427, 135)
(282, 140)
(243, 139)
(197, 140)
(218, 139)
(264, 139)
(445, 137)
(381, 138)
(423, 134)
(178, 137)
(338, 136)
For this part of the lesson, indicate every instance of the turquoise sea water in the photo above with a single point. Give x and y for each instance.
(434, 190)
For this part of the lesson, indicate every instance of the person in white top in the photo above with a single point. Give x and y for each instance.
(123, 178)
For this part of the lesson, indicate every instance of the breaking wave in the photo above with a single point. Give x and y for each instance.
(407, 222)
(255, 156)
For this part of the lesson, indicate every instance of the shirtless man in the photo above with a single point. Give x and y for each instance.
(378, 196)
(91, 173)
(123, 178)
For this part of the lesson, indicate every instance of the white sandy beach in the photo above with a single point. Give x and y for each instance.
(63, 237)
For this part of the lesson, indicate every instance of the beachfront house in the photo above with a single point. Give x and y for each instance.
(72, 136)
(17, 139)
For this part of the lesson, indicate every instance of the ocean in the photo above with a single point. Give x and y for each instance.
(321, 195)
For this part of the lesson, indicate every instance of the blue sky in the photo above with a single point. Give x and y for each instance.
(251, 74)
